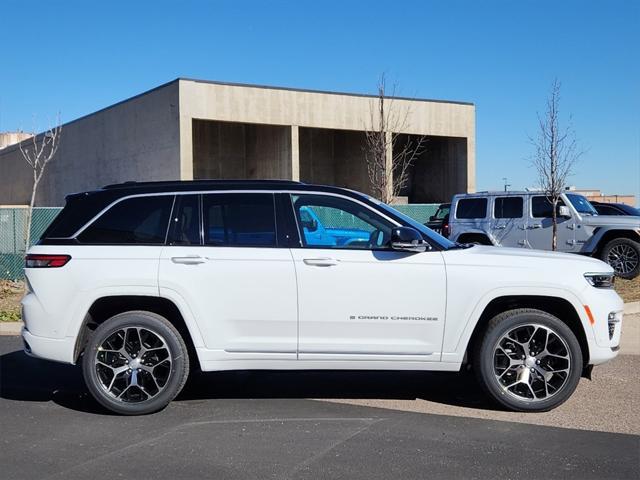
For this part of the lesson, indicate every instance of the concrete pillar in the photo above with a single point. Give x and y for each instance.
(186, 148)
(295, 153)
(388, 139)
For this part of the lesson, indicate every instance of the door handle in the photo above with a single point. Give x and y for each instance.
(188, 260)
(320, 262)
(535, 225)
(499, 227)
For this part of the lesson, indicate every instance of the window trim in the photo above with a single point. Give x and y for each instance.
(561, 203)
(493, 207)
(113, 204)
(223, 192)
(200, 193)
(486, 208)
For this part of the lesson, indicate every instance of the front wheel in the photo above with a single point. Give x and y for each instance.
(135, 363)
(528, 360)
(623, 254)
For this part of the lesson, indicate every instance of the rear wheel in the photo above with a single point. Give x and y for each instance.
(528, 360)
(135, 363)
(623, 254)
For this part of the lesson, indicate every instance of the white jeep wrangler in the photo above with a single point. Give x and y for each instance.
(138, 279)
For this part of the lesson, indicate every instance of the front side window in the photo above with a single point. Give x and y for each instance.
(334, 222)
(133, 221)
(508, 207)
(471, 208)
(542, 207)
(239, 220)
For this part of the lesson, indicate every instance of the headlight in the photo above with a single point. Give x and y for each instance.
(600, 280)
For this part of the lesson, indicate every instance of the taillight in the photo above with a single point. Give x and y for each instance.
(445, 229)
(36, 260)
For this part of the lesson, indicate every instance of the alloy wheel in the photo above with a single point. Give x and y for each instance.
(531, 362)
(623, 258)
(133, 364)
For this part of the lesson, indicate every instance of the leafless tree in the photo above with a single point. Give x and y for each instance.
(389, 159)
(38, 152)
(556, 153)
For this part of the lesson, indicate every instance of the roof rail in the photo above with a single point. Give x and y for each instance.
(161, 183)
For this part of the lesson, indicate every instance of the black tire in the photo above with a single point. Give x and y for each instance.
(475, 239)
(611, 255)
(162, 373)
(486, 363)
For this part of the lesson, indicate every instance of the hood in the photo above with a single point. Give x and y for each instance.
(625, 221)
(521, 256)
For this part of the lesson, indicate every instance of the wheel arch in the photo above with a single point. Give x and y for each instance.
(107, 306)
(474, 235)
(559, 307)
(605, 235)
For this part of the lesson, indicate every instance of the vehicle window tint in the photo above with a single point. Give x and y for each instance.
(333, 222)
(139, 220)
(508, 207)
(185, 221)
(541, 207)
(471, 208)
(239, 219)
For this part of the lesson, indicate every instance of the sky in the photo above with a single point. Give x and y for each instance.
(75, 57)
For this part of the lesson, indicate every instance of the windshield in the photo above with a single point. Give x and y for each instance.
(435, 237)
(581, 204)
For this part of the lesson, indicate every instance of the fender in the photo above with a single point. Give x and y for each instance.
(456, 351)
(83, 306)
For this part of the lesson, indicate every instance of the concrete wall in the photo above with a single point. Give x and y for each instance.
(318, 110)
(241, 151)
(134, 140)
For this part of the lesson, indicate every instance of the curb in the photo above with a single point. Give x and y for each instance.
(631, 308)
(10, 328)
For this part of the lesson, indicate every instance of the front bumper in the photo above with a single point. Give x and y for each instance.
(55, 349)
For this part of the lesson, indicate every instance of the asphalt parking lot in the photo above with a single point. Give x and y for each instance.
(268, 425)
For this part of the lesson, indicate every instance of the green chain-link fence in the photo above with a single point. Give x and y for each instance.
(13, 228)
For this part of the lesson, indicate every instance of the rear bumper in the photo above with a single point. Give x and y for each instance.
(55, 349)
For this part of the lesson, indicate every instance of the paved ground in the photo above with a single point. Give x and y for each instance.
(261, 425)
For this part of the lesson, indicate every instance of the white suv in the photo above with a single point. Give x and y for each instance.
(138, 279)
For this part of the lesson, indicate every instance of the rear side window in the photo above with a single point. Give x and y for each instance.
(185, 221)
(471, 208)
(508, 207)
(139, 220)
(541, 207)
(239, 220)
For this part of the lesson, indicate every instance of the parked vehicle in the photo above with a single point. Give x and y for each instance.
(439, 222)
(524, 220)
(135, 280)
(615, 209)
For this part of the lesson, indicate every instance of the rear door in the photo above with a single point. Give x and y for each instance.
(231, 273)
(508, 221)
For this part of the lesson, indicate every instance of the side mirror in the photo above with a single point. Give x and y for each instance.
(564, 212)
(407, 239)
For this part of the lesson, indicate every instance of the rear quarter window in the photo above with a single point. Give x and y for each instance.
(471, 208)
(133, 221)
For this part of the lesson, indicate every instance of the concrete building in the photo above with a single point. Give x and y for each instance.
(192, 129)
(596, 195)
(12, 138)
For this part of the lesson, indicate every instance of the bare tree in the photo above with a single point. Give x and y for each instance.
(389, 159)
(38, 152)
(556, 152)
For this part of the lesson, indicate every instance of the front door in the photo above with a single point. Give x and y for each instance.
(540, 226)
(239, 285)
(359, 300)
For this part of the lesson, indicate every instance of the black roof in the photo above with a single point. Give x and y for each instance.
(82, 207)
